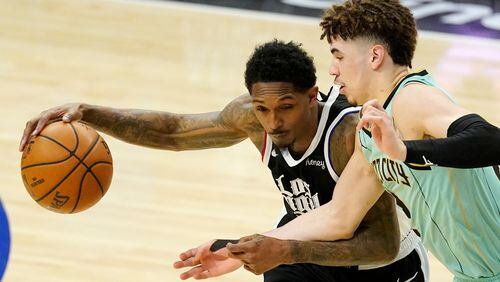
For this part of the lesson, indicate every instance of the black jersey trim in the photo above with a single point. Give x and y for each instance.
(386, 103)
(367, 132)
(496, 168)
(361, 141)
(401, 205)
(417, 166)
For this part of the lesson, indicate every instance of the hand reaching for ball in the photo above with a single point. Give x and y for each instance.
(67, 112)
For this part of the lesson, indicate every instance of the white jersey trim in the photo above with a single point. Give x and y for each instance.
(328, 135)
(268, 147)
(334, 93)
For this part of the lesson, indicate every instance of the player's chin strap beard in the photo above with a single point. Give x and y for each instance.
(247, 267)
(291, 148)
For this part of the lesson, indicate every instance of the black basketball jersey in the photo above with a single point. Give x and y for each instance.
(308, 182)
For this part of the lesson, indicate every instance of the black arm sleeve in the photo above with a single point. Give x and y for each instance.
(471, 142)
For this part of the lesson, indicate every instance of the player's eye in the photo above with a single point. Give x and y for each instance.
(286, 106)
(261, 109)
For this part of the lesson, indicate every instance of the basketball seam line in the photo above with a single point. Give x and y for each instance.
(79, 191)
(49, 163)
(72, 170)
(95, 177)
(71, 153)
(81, 183)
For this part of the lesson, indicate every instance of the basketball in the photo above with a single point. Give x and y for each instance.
(67, 168)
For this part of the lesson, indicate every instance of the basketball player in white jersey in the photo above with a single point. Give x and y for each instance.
(305, 139)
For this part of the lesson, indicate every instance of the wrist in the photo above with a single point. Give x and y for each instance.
(296, 252)
(286, 251)
(84, 109)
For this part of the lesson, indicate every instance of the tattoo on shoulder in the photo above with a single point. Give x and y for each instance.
(342, 142)
(165, 130)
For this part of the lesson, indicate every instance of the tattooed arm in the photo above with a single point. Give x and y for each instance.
(162, 130)
(375, 241)
(372, 239)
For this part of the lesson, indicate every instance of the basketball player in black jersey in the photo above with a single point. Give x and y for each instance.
(306, 139)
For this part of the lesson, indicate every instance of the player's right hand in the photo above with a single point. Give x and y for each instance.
(205, 263)
(67, 112)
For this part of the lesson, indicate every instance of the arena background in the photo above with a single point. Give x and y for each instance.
(185, 58)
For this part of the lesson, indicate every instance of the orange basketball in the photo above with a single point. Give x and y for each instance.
(67, 168)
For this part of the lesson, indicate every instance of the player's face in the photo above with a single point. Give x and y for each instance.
(351, 67)
(285, 114)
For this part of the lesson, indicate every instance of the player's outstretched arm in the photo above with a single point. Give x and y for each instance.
(356, 201)
(376, 241)
(435, 130)
(161, 130)
(356, 191)
(364, 221)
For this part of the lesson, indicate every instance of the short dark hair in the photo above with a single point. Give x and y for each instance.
(277, 61)
(386, 21)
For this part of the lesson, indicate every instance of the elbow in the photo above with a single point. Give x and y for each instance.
(381, 253)
(391, 251)
(342, 230)
(346, 234)
(389, 248)
(341, 227)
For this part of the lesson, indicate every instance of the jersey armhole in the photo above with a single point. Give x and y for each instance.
(329, 134)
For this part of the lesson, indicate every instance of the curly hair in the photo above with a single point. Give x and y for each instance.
(277, 61)
(386, 21)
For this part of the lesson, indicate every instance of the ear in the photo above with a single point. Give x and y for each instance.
(313, 94)
(377, 56)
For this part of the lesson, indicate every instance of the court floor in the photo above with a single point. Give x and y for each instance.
(177, 58)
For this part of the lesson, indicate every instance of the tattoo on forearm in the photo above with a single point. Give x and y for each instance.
(175, 131)
(370, 245)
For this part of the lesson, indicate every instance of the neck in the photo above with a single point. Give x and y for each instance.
(385, 82)
(300, 145)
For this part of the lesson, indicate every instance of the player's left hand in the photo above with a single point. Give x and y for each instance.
(375, 119)
(205, 264)
(260, 253)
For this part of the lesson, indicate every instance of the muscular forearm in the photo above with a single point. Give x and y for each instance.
(361, 250)
(357, 190)
(376, 241)
(139, 127)
(161, 130)
(321, 224)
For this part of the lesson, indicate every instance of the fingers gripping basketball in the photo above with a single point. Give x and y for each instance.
(67, 168)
